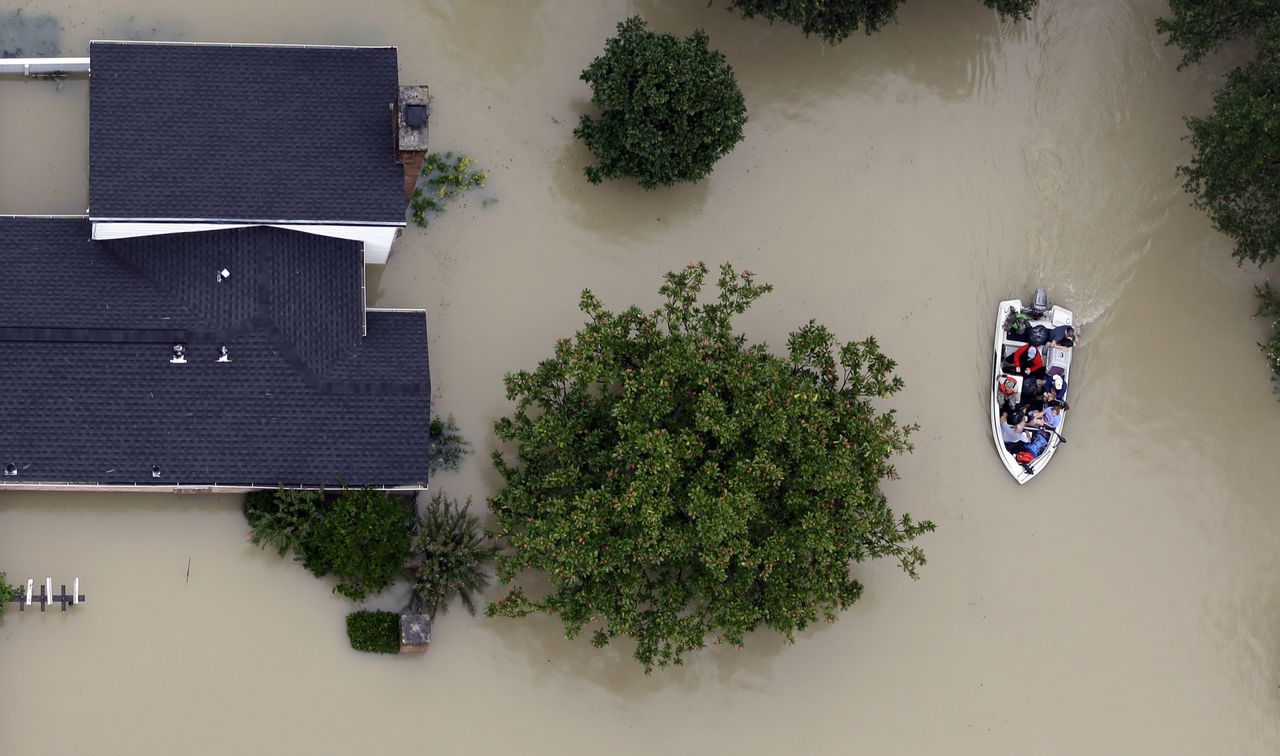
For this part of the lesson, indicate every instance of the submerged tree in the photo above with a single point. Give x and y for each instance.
(1201, 26)
(676, 484)
(669, 107)
(1234, 174)
(448, 557)
(835, 20)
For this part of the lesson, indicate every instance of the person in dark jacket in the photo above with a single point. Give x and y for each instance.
(1063, 336)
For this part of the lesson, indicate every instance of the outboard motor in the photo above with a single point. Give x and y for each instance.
(1039, 304)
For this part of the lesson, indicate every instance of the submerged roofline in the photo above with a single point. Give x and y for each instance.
(237, 44)
(249, 221)
(186, 488)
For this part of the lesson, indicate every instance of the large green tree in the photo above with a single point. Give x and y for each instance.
(675, 484)
(1234, 174)
(834, 20)
(669, 107)
(1201, 26)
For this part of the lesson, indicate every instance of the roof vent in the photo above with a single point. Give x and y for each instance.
(179, 355)
(415, 115)
(155, 471)
(223, 356)
(10, 470)
(223, 275)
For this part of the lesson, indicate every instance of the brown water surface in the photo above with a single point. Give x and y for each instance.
(1124, 602)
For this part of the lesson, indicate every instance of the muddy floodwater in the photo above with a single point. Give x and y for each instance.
(1127, 601)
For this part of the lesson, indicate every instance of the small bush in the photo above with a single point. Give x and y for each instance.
(375, 632)
(446, 177)
(6, 592)
(285, 519)
(447, 446)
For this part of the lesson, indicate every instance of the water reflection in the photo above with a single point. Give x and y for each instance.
(619, 209)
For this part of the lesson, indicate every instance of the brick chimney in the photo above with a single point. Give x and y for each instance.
(411, 116)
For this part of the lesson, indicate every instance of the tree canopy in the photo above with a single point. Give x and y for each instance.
(1234, 174)
(675, 484)
(669, 107)
(6, 592)
(835, 20)
(1200, 27)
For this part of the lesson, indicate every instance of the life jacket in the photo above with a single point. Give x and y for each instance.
(1007, 385)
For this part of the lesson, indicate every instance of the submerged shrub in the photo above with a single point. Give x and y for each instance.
(375, 632)
(447, 446)
(1269, 307)
(6, 592)
(449, 557)
(445, 176)
(360, 536)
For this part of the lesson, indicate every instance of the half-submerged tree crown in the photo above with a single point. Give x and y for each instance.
(834, 20)
(669, 107)
(676, 484)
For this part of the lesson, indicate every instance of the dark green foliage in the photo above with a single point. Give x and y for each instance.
(1201, 26)
(1012, 9)
(447, 446)
(675, 483)
(361, 536)
(446, 177)
(448, 557)
(375, 632)
(1269, 307)
(363, 540)
(669, 107)
(6, 592)
(835, 20)
(1234, 174)
(285, 519)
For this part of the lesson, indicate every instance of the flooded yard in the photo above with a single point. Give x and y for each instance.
(1127, 601)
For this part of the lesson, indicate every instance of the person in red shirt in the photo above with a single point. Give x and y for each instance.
(1028, 361)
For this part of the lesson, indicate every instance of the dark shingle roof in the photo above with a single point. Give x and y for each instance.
(243, 133)
(86, 330)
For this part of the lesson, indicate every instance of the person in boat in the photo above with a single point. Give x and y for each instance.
(1059, 387)
(1014, 437)
(1051, 416)
(1016, 324)
(1028, 361)
(1063, 337)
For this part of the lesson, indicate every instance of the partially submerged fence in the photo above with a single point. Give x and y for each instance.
(46, 596)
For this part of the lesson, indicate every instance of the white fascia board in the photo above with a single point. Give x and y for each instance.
(377, 239)
(130, 230)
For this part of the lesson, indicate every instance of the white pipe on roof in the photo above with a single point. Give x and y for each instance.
(28, 66)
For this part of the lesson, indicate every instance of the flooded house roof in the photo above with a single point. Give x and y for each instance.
(243, 134)
(91, 396)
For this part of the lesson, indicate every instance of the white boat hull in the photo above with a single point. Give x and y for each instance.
(1002, 346)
